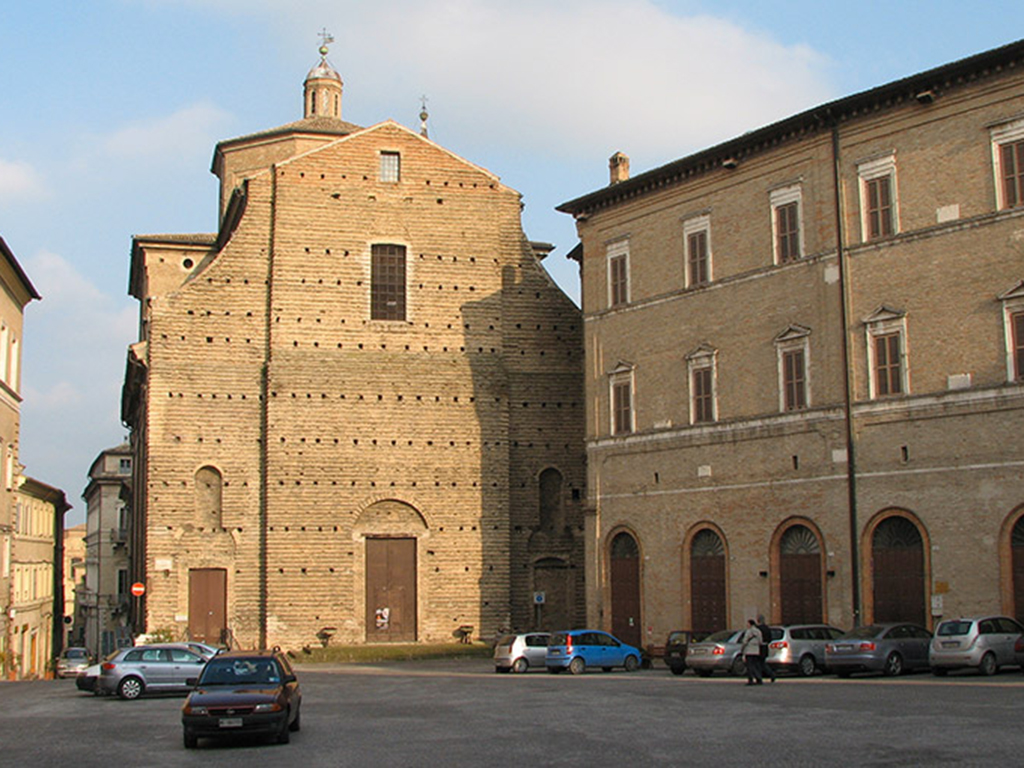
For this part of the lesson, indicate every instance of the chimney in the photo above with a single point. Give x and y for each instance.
(618, 168)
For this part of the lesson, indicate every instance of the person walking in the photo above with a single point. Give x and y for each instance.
(750, 649)
(766, 639)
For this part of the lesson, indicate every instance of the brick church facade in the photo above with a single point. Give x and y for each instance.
(356, 409)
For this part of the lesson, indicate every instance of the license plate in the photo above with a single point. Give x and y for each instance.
(844, 647)
(951, 644)
(699, 651)
(231, 722)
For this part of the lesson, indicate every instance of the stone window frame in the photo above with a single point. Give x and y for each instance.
(796, 338)
(1010, 132)
(883, 322)
(870, 171)
(1013, 337)
(778, 199)
(697, 225)
(622, 376)
(703, 358)
(618, 293)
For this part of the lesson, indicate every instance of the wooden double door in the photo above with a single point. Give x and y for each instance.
(390, 590)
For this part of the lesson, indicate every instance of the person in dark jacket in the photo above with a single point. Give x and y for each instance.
(766, 638)
(750, 648)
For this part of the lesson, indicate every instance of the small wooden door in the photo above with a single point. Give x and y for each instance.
(207, 604)
(390, 590)
(625, 587)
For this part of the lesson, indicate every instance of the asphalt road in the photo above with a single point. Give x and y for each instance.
(459, 713)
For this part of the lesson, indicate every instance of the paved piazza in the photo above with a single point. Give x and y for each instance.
(459, 713)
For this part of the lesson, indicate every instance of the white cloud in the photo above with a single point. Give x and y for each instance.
(181, 135)
(20, 181)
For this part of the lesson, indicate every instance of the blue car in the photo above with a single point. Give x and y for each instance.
(581, 648)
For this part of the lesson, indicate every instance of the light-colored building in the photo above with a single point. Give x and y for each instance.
(356, 409)
(37, 595)
(805, 356)
(18, 292)
(106, 595)
(74, 585)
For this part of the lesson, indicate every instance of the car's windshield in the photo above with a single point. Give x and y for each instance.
(948, 628)
(75, 653)
(240, 672)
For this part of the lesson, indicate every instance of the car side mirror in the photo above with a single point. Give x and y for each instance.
(192, 682)
(290, 678)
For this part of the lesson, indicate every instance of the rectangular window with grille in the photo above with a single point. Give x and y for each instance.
(888, 371)
(387, 282)
(622, 408)
(1011, 166)
(703, 395)
(390, 166)
(794, 378)
(879, 207)
(787, 229)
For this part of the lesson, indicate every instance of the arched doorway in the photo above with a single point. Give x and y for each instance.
(897, 568)
(707, 583)
(1017, 548)
(800, 576)
(625, 588)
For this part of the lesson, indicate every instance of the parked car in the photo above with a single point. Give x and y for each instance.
(203, 649)
(891, 649)
(73, 661)
(243, 692)
(520, 652)
(675, 650)
(984, 642)
(718, 652)
(801, 647)
(162, 667)
(581, 648)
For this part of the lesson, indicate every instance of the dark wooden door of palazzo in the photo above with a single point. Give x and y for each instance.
(1017, 542)
(897, 555)
(625, 587)
(207, 604)
(707, 584)
(800, 593)
(390, 590)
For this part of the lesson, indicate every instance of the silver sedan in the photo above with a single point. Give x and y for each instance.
(891, 649)
(719, 652)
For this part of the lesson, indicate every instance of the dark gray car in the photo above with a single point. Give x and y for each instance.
(134, 671)
(891, 649)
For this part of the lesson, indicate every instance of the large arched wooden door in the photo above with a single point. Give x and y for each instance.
(800, 576)
(897, 553)
(707, 583)
(1017, 545)
(625, 588)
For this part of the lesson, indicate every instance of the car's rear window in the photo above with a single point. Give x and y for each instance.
(719, 637)
(75, 653)
(558, 639)
(861, 633)
(948, 628)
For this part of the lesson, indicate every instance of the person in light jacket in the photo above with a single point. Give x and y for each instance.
(750, 648)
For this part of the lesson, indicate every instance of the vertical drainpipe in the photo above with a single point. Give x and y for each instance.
(844, 301)
(264, 412)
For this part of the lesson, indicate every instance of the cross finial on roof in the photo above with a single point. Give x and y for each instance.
(423, 115)
(325, 39)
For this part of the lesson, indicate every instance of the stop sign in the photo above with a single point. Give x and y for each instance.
(138, 589)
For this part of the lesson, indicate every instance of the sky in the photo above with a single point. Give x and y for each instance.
(110, 110)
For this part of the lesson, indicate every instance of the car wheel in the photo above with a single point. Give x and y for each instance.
(939, 671)
(677, 670)
(807, 665)
(520, 665)
(738, 668)
(191, 740)
(988, 665)
(130, 688)
(284, 735)
(577, 666)
(632, 663)
(296, 725)
(893, 665)
(704, 672)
